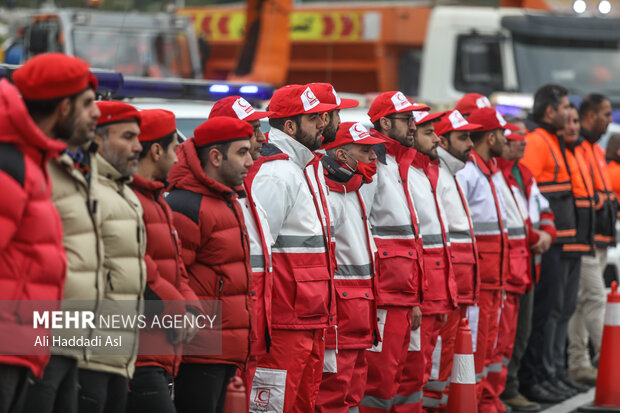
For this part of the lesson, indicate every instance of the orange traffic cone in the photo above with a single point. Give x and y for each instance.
(462, 393)
(607, 396)
(235, 396)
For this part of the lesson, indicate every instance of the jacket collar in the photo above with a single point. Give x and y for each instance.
(390, 147)
(188, 174)
(487, 168)
(297, 152)
(588, 135)
(106, 170)
(452, 164)
(146, 185)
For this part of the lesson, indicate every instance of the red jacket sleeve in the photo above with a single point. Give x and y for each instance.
(10, 212)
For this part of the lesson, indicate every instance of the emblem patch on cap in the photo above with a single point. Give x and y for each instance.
(242, 108)
(338, 101)
(309, 99)
(457, 120)
(501, 119)
(400, 101)
(358, 132)
(483, 102)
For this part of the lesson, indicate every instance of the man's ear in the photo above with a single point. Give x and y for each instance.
(156, 152)
(290, 127)
(215, 157)
(63, 110)
(443, 142)
(340, 155)
(491, 137)
(549, 112)
(385, 123)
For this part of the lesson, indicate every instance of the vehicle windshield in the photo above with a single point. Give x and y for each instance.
(582, 66)
(149, 53)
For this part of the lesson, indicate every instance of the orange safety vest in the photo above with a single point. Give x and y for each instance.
(613, 171)
(583, 190)
(606, 204)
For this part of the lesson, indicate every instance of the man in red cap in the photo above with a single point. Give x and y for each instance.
(326, 93)
(394, 223)
(216, 253)
(167, 281)
(349, 164)
(470, 102)
(484, 188)
(103, 377)
(439, 290)
(541, 232)
(290, 187)
(59, 110)
(258, 232)
(453, 151)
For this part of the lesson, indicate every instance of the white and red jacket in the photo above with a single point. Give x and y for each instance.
(460, 228)
(485, 205)
(394, 223)
(262, 271)
(518, 278)
(354, 276)
(290, 187)
(439, 288)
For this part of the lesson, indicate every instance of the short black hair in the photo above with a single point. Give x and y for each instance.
(547, 95)
(164, 142)
(477, 136)
(278, 123)
(591, 103)
(43, 108)
(203, 151)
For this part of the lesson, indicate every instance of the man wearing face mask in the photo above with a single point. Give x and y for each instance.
(439, 289)
(326, 93)
(453, 151)
(482, 183)
(349, 164)
(556, 173)
(395, 228)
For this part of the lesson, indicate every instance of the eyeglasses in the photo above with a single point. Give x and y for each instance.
(409, 119)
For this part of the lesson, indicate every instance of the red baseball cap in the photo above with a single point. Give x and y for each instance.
(472, 101)
(423, 116)
(352, 132)
(388, 103)
(326, 93)
(513, 136)
(454, 122)
(237, 107)
(222, 129)
(155, 124)
(291, 100)
(490, 119)
(114, 111)
(52, 76)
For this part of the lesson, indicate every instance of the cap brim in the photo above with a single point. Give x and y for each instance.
(430, 117)
(257, 115)
(321, 108)
(371, 140)
(512, 127)
(348, 103)
(419, 107)
(515, 137)
(469, 127)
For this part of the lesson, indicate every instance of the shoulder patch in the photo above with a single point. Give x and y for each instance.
(185, 202)
(12, 162)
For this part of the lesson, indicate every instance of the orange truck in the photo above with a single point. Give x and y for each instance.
(436, 53)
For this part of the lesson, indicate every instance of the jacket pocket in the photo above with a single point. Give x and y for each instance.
(311, 291)
(519, 266)
(398, 270)
(355, 312)
(436, 272)
(489, 262)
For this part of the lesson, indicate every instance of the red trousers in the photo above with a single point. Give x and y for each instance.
(343, 389)
(436, 389)
(498, 369)
(386, 361)
(287, 379)
(488, 321)
(418, 366)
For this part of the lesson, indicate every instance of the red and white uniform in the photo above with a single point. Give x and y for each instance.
(465, 265)
(291, 189)
(395, 228)
(477, 180)
(262, 281)
(518, 281)
(345, 367)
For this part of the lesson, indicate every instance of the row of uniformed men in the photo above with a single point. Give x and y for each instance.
(417, 245)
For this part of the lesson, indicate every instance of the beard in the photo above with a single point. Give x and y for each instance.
(312, 142)
(65, 128)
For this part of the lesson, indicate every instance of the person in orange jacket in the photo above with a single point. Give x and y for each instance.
(612, 156)
(587, 321)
